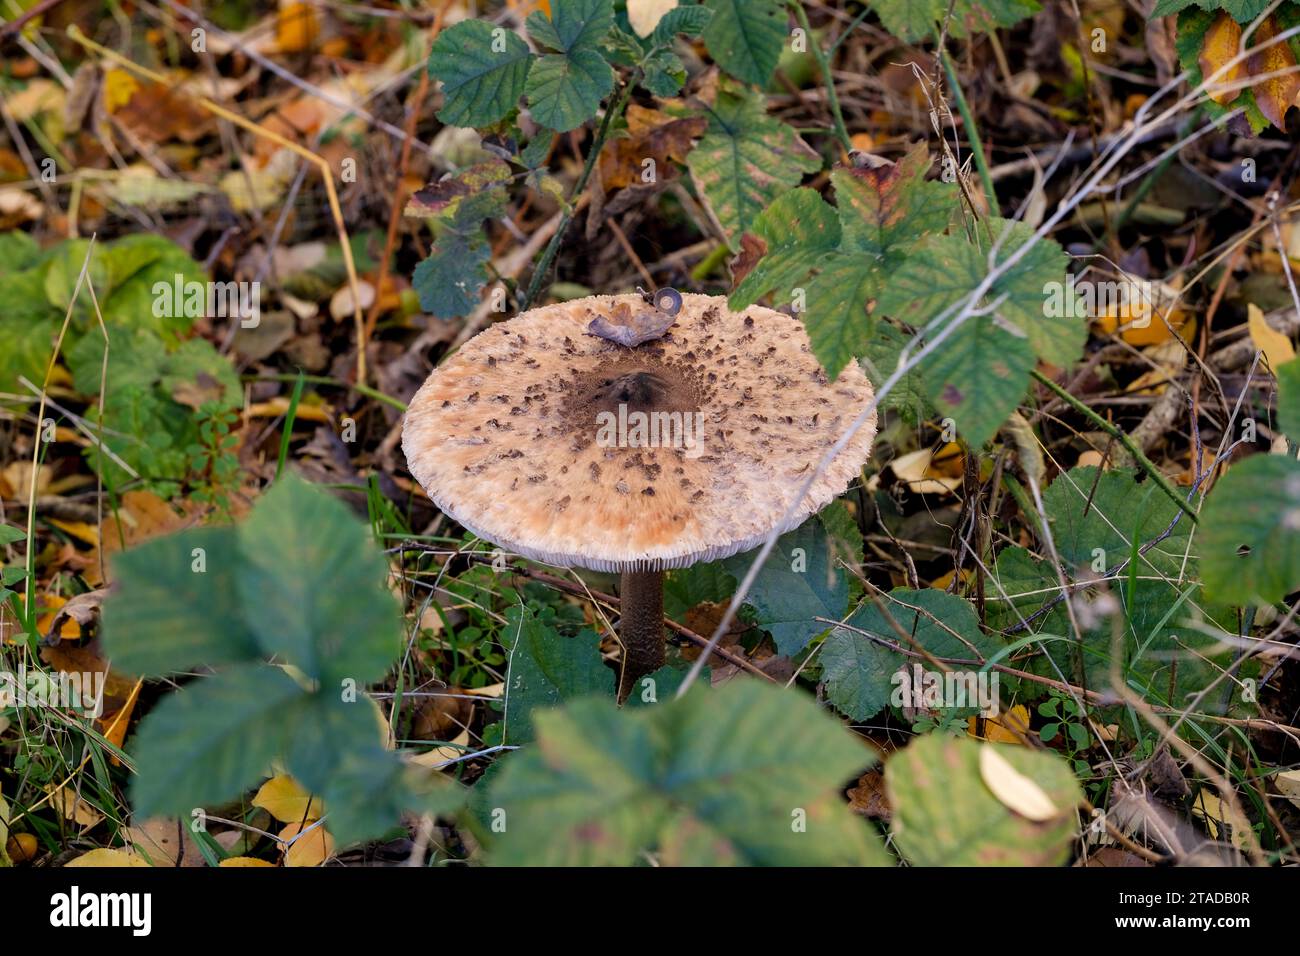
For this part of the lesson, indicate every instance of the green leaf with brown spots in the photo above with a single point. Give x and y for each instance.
(945, 814)
(746, 159)
(746, 774)
(979, 373)
(832, 263)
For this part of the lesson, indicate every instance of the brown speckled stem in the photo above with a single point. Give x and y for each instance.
(641, 627)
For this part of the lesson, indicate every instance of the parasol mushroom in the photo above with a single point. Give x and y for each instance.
(597, 433)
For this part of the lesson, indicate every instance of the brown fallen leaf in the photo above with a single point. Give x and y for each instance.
(163, 841)
(651, 135)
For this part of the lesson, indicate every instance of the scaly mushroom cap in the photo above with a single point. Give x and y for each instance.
(516, 436)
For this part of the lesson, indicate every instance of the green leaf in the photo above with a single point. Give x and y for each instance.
(19, 251)
(858, 674)
(978, 377)
(450, 280)
(547, 669)
(318, 585)
(336, 749)
(664, 73)
(573, 25)
(1018, 586)
(945, 814)
(174, 605)
(1250, 531)
(1104, 517)
(881, 360)
(210, 740)
(979, 374)
(799, 581)
(565, 89)
(914, 20)
(745, 37)
(717, 777)
(466, 198)
(793, 235)
(480, 84)
(1171, 633)
(688, 20)
(1243, 11)
(886, 212)
(700, 583)
(842, 258)
(9, 534)
(1288, 398)
(858, 670)
(746, 159)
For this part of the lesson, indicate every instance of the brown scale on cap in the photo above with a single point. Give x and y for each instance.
(503, 435)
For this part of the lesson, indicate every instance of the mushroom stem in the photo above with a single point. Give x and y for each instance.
(641, 627)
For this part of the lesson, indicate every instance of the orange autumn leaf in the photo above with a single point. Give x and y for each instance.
(1222, 43)
(296, 27)
(1277, 89)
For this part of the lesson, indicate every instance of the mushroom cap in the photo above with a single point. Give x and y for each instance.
(511, 435)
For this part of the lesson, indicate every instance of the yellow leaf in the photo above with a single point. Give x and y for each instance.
(1221, 44)
(106, 857)
(1277, 348)
(73, 808)
(287, 801)
(280, 406)
(235, 862)
(80, 530)
(311, 849)
(440, 755)
(1002, 728)
(1016, 791)
(644, 15)
(119, 87)
(4, 832)
(1288, 784)
(296, 27)
(1220, 819)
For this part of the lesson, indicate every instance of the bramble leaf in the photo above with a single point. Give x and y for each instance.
(745, 37)
(1250, 531)
(799, 581)
(688, 20)
(859, 671)
(746, 159)
(546, 669)
(721, 770)
(565, 89)
(980, 372)
(914, 20)
(482, 69)
(450, 280)
(842, 257)
(946, 815)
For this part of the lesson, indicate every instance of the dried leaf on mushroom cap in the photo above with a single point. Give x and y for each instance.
(503, 435)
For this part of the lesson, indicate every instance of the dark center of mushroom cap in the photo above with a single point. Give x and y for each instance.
(638, 386)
